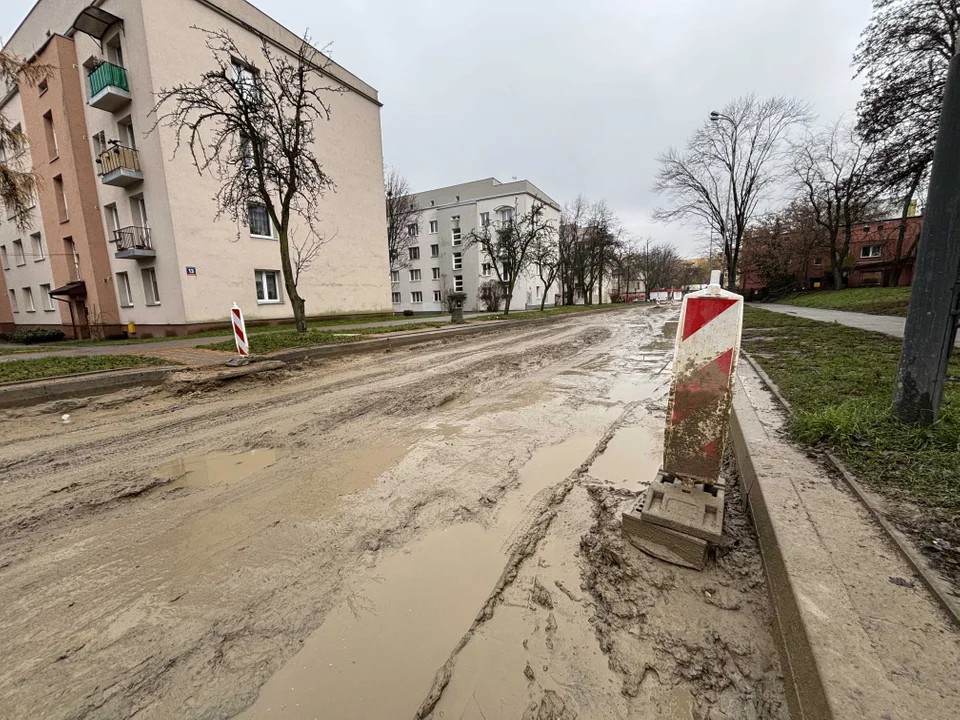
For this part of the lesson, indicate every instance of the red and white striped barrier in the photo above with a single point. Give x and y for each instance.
(239, 331)
(705, 365)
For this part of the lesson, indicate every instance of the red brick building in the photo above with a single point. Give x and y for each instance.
(870, 262)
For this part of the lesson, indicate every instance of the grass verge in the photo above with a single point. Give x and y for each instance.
(13, 370)
(875, 301)
(840, 383)
(264, 343)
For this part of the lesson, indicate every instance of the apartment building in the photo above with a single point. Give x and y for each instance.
(126, 231)
(439, 260)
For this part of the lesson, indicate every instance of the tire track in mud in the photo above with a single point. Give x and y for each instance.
(345, 401)
(522, 549)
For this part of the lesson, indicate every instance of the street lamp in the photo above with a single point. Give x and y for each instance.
(716, 117)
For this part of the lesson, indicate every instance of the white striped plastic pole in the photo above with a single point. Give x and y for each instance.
(239, 331)
(704, 368)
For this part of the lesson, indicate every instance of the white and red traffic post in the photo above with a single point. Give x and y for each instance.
(701, 395)
(239, 331)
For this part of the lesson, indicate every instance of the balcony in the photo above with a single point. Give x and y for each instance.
(120, 166)
(108, 87)
(133, 242)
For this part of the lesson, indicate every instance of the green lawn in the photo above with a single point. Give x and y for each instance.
(223, 332)
(840, 383)
(271, 342)
(13, 370)
(876, 301)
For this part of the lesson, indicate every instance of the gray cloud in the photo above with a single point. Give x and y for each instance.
(575, 96)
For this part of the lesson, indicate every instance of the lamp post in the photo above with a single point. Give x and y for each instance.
(716, 117)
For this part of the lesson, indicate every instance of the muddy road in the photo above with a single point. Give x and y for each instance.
(429, 532)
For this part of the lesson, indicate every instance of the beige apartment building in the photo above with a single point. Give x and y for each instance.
(440, 260)
(124, 231)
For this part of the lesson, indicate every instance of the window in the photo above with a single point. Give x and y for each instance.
(396, 298)
(484, 219)
(436, 296)
(433, 227)
(458, 283)
(114, 51)
(127, 136)
(61, 195)
(246, 152)
(536, 291)
(18, 252)
(434, 251)
(818, 262)
(53, 151)
(138, 209)
(113, 219)
(879, 228)
(455, 229)
(70, 251)
(123, 290)
(436, 273)
(268, 286)
(414, 252)
(99, 145)
(866, 228)
(13, 301)
(414, 276)
(42, 87)
(259, 220)
(3, 257)
(394, 276)
(246, 79)
(28, 300)
(457, 261)
(487, 269)
(151, 291)
(871, 251)
(45, 300)
(36, 247)
(416, 297)
(412, 230)
(506, 215)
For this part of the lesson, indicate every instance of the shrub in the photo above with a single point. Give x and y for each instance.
(408, 313)
(33, 337)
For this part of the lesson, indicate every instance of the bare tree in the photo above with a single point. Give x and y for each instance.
(729, 168)
(573, 221)
(588, 238)
(491, 295)
(546, 260)
(254, 127)
(18, 183)
(304, 253)
(403, 216)
(833, 170)
(510, 243)
(660, 265)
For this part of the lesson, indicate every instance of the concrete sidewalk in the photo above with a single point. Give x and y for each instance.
(186, 351)
(886, 324)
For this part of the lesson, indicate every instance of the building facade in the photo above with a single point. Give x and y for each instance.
(871, 260)
(125, 229)
(439, 259)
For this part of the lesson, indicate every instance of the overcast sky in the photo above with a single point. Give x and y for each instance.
(577, 97)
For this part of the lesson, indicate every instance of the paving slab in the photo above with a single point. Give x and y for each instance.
(853, 643)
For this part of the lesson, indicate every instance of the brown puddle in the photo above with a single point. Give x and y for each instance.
(632, 458)
(376, 654)
(217, 468)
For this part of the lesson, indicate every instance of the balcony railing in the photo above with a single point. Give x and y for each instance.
(108, 87)
(120, 165)
(133, 242)
(108, 74)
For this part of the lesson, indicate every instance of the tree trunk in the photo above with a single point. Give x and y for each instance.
(837, 270)
(296, 302)
(898, 259)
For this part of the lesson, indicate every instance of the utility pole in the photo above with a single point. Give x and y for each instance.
(932, 317)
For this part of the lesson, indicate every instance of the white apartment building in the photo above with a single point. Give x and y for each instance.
(124, 231)
(438, 259)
